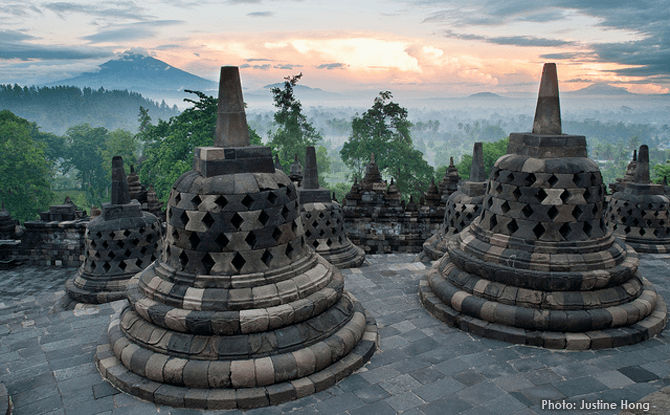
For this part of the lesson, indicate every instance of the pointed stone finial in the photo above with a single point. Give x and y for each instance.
(642, 168)
(634, 155)
(231, 120)
(277, 163)
(311, 180)
(451, 162)
(132, 168)
(120, 193)
(372, 158)
(477, 172)
(665, 183)
(548, 110)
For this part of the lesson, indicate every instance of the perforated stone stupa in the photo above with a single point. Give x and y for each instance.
(323, 220)
(463, 206)
(120, 242)
(639, 213)
(539, 266)
(239, 311)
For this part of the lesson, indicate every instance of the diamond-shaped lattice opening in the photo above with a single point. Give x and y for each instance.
(594, 179)
(587, 228)
(128, 253)
(175, 235)
(328, 223)
(587, 196)
(552, 212)
(626, 229)
(123, 265)
(112, 255)
(489, 202)
(539, 230)
(565, 230)
(184, 218)
(527, 211)
(251, 240)
(98, 235)
(93, 266)
(236, 221)
(177, 199)
(329, 242)
(150, 238)
(139, 262)
(552, 180)
(126, 233)
(208, 262)
(516, 193)
(595, 210)
(208, 220)
(194, 240)
(247, 201)
(221, 241)
(105, 244)
(499, 188)
(120, 244)
(493, 222)
(530, 179)
(97, 255)
(308, 233)
(540, 195)
(289, 251)
(565, 196)
(276, 233)
(112, 235)
(512, 226)
(135, 242)
(294, 225)
(577, 212)
(143, 250)
(636, 221)
(504, 207)
(321, 232)
(183, 259)
(321, 215)
(106, 266)
(315, 243)
(289, 192)
(285, 212)
(315, 224)
(221, 202)
(263, 218)
(266, 257)
(272, 197)
(238, 261)
(196, 200)
(642, 232)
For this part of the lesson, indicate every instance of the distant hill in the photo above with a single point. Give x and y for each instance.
(149, 76)
(485, 95)
(55, 109)
(600, 89)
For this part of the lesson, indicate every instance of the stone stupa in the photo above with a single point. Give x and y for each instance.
(463, 206)
(239, 311)
(539, 266)
(323, 220)
(120, 242)
(639, 213)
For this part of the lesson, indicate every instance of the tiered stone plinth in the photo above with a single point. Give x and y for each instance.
(120, 242)
(539, 266)
(239, 311)
(639, 214)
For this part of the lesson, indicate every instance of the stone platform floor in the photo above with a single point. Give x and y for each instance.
(422, 367)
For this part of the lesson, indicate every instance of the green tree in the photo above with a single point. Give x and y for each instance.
(491, 151)
(170, 143)
(119, 143)
(24, 168)
(385, 131)
(294, 133)
(85, 145)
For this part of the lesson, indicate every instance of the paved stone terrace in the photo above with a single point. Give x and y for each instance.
(423, 367)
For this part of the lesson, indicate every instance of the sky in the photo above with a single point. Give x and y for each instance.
(459, 47)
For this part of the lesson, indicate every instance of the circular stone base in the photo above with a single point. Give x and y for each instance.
(435, 247)
(5, 401)
(348, 256)
(600, 339)
(92, 297)
(242, 398)
(649, 248)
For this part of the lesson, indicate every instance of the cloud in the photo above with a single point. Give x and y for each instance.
(287, 66)
(264, 67)
(259, 60)
(560, 56)
(260, 14)
(129, 32)
(121, 9)
(523, 41)
(13, 46)
(332, 66)
(19, 9)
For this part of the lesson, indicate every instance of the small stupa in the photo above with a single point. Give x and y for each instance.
(639, 213)
(120, 242)
(539, 265)
(449, 182)
(239, 311)
(323, 221)
(7, 224)
(463, 206)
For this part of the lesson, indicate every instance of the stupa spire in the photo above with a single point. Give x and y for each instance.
(231, 120)
(642, 168)
(477, 171)
(548, 110)
(120, 193)
(311, 174)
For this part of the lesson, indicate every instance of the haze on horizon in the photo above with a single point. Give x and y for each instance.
(438, 48)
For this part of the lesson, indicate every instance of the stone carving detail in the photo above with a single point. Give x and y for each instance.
(323, 220)
(463, 206)
(120, 242)
(239, 311)
(639, 213)
(539, 266)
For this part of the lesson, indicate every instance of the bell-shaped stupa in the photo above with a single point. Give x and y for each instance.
(120, 242)
(639, 213)
(239, 311)
(463, 206)
(539, 266)
(323, 220)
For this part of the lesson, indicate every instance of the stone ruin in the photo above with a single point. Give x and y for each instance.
(323, 221)
(620, 183)
(147, 197)
(449, 182)
(8, 225)
(67, 211)
(463, 206)
(239, 311)
(539, 266)
(120, 242)
(639, 213)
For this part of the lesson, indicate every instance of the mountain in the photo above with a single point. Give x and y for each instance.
(600, 89)
(485, 95)
(148, 76)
